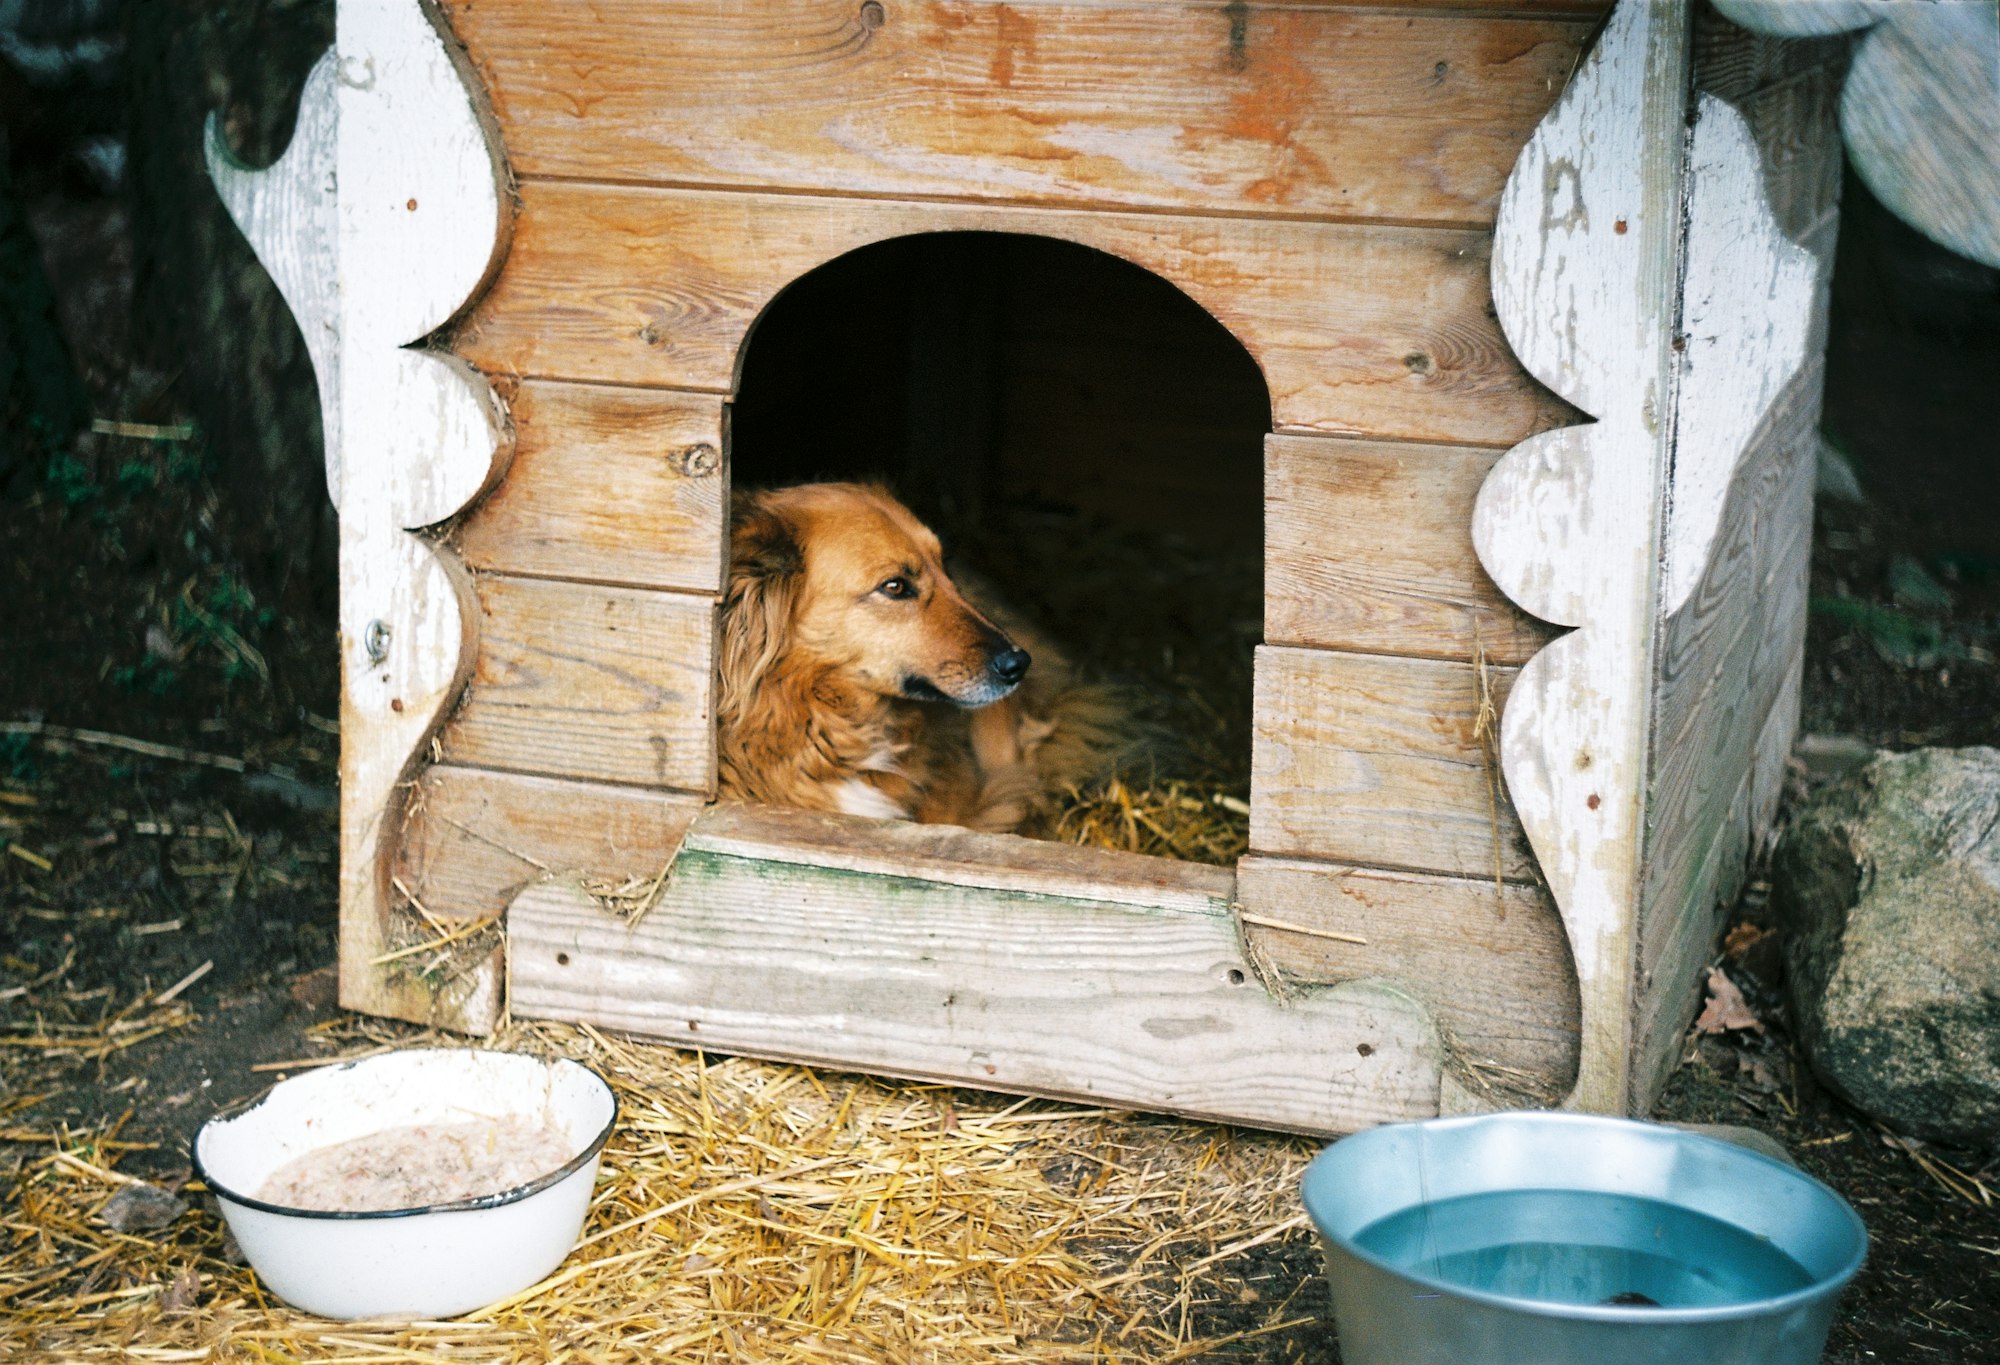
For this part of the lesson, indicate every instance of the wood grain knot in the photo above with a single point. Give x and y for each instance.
(873, 16)
(697, 461)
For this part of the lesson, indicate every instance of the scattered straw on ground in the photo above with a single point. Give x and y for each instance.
(746, 1211)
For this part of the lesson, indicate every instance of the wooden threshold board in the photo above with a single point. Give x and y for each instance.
(946, 955)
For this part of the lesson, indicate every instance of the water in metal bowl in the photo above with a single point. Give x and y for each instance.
(1546, 1239)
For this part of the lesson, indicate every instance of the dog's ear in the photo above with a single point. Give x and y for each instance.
(765, 562)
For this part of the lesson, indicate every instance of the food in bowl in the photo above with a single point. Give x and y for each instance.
(419, 1164)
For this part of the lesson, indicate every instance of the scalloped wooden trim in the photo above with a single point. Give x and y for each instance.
(1585, 280)
(383, 218)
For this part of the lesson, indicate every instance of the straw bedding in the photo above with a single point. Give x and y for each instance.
(745, 1212)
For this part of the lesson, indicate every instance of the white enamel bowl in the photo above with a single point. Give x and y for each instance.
(429, 1262)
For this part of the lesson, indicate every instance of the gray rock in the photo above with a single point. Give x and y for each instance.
(1889, 885)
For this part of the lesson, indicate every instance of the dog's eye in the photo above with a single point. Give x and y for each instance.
(898, 588)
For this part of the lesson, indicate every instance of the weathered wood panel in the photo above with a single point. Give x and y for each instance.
(760, 946)
(577, 680)
(1379, 331)
(607, 485)
(1365, 759)
(473, 839)
(1918, 114)
(1268, 109)
(1492, 963)
(1368, 547)
(1746, 315)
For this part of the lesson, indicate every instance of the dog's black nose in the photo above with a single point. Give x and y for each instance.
(1012, 666)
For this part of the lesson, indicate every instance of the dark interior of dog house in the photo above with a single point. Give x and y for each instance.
(1086, 439)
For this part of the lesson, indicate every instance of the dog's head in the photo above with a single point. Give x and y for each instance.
(843, 575)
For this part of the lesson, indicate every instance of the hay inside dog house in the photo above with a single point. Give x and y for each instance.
(1536, 289)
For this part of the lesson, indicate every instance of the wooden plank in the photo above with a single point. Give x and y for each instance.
(764, 950)
(607, 485)
(1380, 331)
(1670, 988)
(1734, 503)
(1267, 109)
(1746, 311)
(1368, 547)
(290, 215)
(577, 680)
(1492, 964)
(473, 839)
(1364, 759)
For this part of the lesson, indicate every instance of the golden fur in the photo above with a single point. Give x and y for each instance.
(856, 675)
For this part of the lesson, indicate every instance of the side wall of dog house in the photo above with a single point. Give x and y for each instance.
(1729, 658)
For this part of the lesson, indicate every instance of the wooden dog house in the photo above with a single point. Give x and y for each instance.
(1536, 289)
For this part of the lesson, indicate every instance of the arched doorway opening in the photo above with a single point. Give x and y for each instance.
(1086, 438)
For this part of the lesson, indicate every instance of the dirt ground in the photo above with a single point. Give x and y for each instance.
(166, 907)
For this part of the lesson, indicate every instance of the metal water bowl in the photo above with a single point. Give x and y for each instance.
(1567, 1239)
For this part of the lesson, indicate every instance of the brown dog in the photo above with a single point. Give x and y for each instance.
(857, 677)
